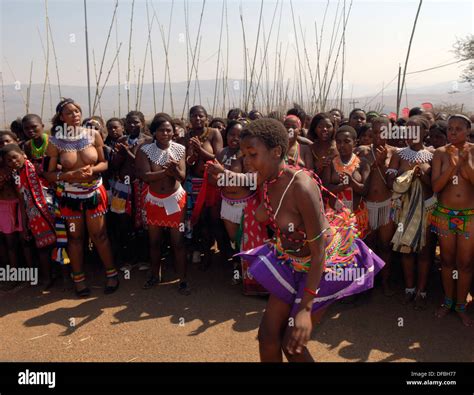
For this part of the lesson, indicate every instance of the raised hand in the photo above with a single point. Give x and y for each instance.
(453, 153)
(381, 155)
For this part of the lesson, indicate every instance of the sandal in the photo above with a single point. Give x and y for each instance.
(183, 288)
(151, 282)
(83, 293)
(445, 308)
(110, 289)
(78, 278)
(421, 302)
(408, 297)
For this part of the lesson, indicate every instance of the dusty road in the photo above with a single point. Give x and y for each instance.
(215, 323)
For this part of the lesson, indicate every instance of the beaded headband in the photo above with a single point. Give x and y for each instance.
(62, 104)
(463, 117)
(295, 118)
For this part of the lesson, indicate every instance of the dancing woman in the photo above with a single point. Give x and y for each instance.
(308, 264)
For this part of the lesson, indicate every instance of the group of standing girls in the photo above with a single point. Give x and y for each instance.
(301, 200)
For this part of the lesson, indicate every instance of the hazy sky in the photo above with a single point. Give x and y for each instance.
(377, 37)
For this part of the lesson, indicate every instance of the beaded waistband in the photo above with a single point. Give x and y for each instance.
(152, 197)
(235, 201)
(81, 190)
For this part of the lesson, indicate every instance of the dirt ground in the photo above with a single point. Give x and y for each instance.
(215, 323)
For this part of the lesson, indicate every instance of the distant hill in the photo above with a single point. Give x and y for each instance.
(441, 93)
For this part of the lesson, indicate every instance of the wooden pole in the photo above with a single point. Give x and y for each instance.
(409, 48)
(87, 60)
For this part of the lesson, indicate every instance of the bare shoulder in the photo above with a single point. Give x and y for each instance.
(304, 141)
(142, 144)
(362, 150)
(96, 136)
(305, 148)
(364, 163)
(52, 151)
(213, 132)
(305, 186)
(442, 150)
(393, 150)
(145, 139)
(439, 153)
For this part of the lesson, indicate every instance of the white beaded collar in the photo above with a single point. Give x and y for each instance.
(160, 157)
(412, 156)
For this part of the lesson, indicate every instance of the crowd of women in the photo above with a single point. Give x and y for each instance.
(296, 196)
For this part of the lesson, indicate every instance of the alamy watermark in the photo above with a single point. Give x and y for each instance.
(22, 274)
(69, 132)
(37, 378)
(400, 133)
(231, 179)
(355, 274)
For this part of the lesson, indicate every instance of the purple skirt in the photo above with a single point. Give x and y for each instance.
(280, 279)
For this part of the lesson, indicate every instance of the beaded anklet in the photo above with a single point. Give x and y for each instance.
(78, 277)
(448, 303)
(111, 273)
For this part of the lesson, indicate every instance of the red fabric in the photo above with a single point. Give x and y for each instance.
(208, 196)
(140, 190)
(101, 209)
(254, 234)
(156, 215)
(40, 220)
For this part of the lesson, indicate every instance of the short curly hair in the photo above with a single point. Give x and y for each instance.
(158, 120)
(315, 122)
(421, 121)
(270, 131)
(347, 129)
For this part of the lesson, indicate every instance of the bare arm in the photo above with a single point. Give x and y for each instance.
(364, 170)
(467, 165)
(394, 164)
(143, 169)
(335, 185)
(440, 179)
(310, 210)
(53, 154)
(102, 163)
(307, 157)
(178, 169)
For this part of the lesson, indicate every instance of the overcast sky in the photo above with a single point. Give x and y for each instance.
(377, 38)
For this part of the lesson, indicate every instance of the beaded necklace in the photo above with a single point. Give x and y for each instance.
(38, 152)
(340, 249)
(412, 156)
(271, 216)
(348, 167)
(203, 136)
(159, 156)
(78, 142)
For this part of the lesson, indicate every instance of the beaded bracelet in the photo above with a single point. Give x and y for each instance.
(310, 291)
